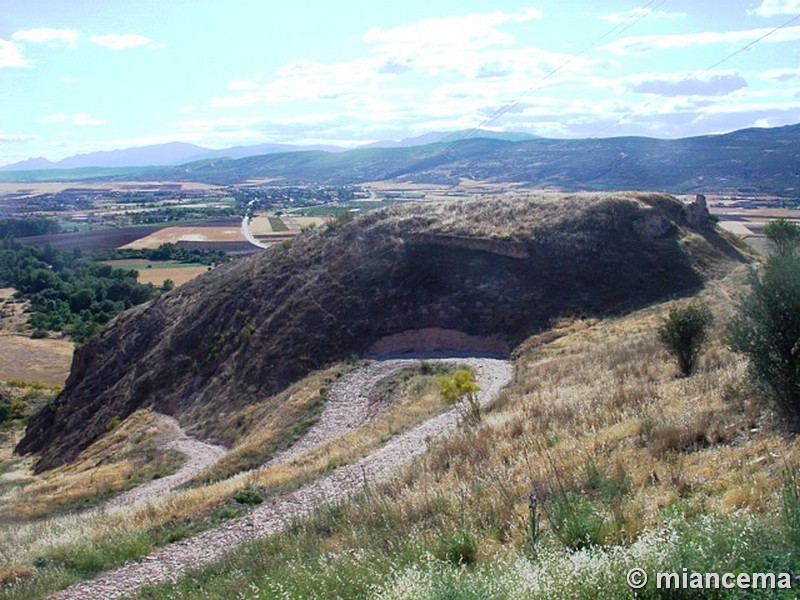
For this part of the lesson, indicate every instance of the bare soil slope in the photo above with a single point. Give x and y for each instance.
(500, 269)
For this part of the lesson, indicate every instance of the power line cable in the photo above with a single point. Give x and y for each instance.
(698, 74)
(635, 17)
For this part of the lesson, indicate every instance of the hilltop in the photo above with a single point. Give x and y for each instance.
(479, 275)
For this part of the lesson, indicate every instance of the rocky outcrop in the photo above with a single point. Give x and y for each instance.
(248, 329)
(697, 214)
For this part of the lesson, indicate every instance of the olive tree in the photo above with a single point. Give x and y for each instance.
(767, 326)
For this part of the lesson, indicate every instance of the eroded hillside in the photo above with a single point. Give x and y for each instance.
(497, 270)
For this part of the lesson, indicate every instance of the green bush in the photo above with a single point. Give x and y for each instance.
(577, 521)
(458, 548)
(684, 333)
(767, 327)
(249, 495)
(6, 414)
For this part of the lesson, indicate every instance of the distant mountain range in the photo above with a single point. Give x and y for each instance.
(756, 160)
(176, 153)
(173, 153)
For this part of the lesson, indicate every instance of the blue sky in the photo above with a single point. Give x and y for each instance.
(97, 75)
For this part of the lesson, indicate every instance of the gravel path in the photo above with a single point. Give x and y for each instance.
(170, 562)
(347, 406)
(199, 455)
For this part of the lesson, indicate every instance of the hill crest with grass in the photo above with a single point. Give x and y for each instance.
(496, 271)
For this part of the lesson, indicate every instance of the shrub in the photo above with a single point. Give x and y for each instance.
(249, 495)
(460, 386)
(458, 548)
(6, 413)
(577, 521)
(684, 333)
(767, 330)
(784, 234)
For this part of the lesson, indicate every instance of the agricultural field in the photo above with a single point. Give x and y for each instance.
(175, 235)
(746, 218)
(24, 359)
(156, 272)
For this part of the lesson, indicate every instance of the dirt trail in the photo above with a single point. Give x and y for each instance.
(199, 456)
(346, 407)
(170, 562)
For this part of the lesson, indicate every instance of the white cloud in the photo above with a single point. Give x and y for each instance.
(643, 44)
(79, 119)
(116, 41)
(47, 35)
(436, 44)
(782, 75)
(11, 55)
(306, 80)
(771, 8)
(720, 83)
(638, 13)
(11, 138)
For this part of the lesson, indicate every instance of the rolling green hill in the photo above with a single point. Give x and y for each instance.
(747, 161)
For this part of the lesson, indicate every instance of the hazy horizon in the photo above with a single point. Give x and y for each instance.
(99, 77)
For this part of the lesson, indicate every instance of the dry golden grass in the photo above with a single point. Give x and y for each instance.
(126, 456)
(596, 407)
(23, 358)
(416, 400)
(262, 429)
(598, 404)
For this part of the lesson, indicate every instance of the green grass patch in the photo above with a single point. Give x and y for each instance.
(277, 224)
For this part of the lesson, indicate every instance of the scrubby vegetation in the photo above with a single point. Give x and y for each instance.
(596, 458)
(625, 466)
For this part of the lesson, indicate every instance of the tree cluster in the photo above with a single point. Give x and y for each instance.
(68, 292)
(27, 227)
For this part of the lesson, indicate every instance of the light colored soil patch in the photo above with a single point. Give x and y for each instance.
(260, 225)
(298, 223)
(735, 227)
(178, 275)
(47, 360)
(173, 235)
(155, 272)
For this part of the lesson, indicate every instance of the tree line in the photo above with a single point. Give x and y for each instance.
(27, 227)
(165, 252)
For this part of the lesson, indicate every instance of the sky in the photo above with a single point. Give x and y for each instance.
(82, 76)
